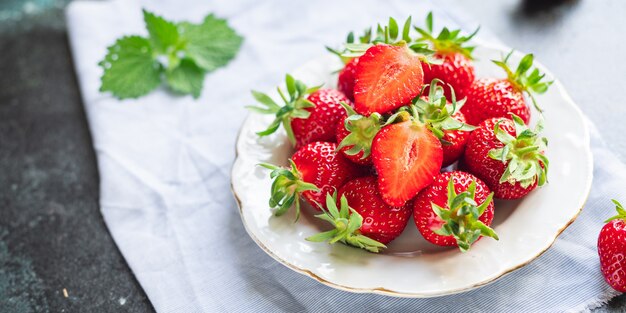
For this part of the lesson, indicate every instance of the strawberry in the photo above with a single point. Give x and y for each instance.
(455, 210)
(316, 170)
(612, 249)
(387, 34)
(507, 156)
(363, 213)
(347, 223)
(346, 78)
(309, 114)
(406, 156)
(454, 141)
(387, 77)
(444, 120)
(456, 68)
(323, 118)
(491, 97)
(382, 222)
(355, 135)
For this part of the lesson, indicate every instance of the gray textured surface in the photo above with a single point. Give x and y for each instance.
(52, 236)
(51, 233)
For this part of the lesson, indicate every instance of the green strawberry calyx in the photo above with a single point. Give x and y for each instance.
(362, 130)
(437, 113)
(287, 186)
(447, 41)
(531, 82)
(296, 106)
(389, 34)
(346, 222)
(461, 217)
(621, 212)
(523, 154)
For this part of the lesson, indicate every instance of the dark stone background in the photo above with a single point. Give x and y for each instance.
(52, 236)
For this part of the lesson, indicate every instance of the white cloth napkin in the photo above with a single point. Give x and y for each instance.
(164, 164)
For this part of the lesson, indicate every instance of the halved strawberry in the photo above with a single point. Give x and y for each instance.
(387, 77)
(406, 156)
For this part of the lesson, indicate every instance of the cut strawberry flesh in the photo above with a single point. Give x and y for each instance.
(406, 156)
(387, 77)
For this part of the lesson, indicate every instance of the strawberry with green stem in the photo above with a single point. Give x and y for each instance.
(444, 119)
(387, 77)
(612, 249)
(456, 68)
(361, 218)
(356, 133)
(491, 97)
(308, 115)
(381, 222)
(508, 156)
(455, 210)
(287, 186)
(316, 170)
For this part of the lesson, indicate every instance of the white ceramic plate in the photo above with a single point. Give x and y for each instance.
(411, 267)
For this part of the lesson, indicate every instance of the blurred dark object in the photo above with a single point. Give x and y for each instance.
(533, 7)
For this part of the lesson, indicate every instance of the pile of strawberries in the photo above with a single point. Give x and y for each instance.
(393, 141)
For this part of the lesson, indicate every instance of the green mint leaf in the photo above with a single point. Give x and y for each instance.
(129, 69)
(211, 44)
(163, 34)
(183, 52)
(187, 78)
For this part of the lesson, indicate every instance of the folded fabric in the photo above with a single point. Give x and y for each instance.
(165, 160)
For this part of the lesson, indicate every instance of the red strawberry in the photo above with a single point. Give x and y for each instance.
(490, 97)
(455, 210)
(381, 221)
(361, 218)
(357, 158)
(445, 120)
(455, 141)
(309, 114)
(316, 170)
(612, 249)
(321, 123)
(507, 156)
(387, 77)
(346, 79)
(355, 135)
(456, 69)
(451, 48)
(406, 156)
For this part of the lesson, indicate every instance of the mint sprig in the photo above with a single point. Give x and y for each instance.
(181, 54)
